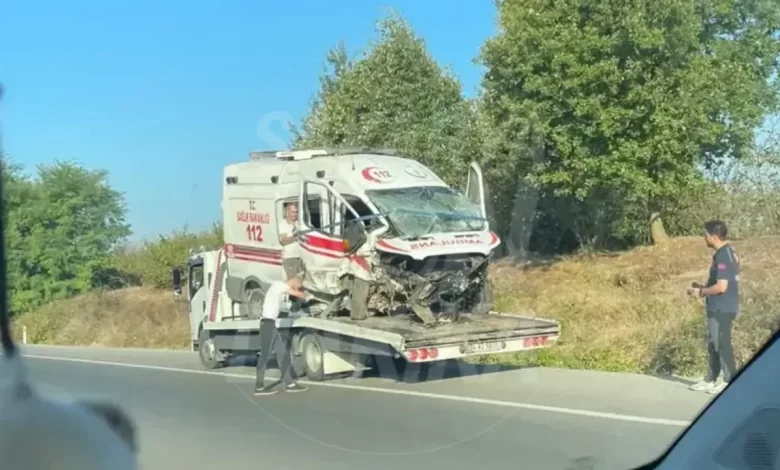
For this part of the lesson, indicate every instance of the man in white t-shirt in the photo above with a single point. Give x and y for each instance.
(288, 236)
(272, 340)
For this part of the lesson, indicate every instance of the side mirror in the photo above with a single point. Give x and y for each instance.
(354, 236)
(176, 282)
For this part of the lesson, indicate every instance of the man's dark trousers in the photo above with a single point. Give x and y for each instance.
(272, 341)
(719, 350)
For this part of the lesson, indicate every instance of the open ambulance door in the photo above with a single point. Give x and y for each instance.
(326, 247)
(475, 188)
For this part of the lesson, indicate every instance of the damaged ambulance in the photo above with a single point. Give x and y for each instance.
(378, 234)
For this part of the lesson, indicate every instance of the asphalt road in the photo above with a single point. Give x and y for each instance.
(532, 418)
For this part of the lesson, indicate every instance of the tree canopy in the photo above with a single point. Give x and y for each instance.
(396, 96)
(62, 229)
(630, 99)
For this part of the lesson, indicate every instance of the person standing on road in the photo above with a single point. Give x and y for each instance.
(271, 340)
(288, 236)
(721, 294)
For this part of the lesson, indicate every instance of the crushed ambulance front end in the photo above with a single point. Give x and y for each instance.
(434, 257)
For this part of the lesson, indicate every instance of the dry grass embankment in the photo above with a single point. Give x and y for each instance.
(136, 317)
(629, 311)
(621, 312)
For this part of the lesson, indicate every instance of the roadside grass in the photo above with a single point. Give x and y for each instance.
(629, 311)
(618, 312)
(136, 317)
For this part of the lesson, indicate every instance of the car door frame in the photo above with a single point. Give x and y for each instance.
(323, 252)
(475, 172)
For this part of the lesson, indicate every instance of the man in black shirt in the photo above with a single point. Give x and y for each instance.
(721, 294)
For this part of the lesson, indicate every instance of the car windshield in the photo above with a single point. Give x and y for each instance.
(421, 210)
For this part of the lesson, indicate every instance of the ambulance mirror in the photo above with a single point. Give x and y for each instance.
(176, 282)
(354, 236)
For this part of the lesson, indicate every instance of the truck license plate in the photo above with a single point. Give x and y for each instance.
(488, 346)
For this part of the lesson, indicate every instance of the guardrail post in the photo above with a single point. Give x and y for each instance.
(24, 334)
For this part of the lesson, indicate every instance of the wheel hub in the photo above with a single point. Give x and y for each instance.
(313, 356)
(208, 349)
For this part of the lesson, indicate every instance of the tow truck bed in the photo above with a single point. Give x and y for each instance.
(469, 328)
(472, 334)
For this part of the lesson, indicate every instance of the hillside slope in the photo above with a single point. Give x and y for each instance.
(134, 317)
(629, 311)
(624, 311)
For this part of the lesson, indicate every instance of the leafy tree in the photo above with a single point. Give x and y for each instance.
(150, 264)
(63, 229)
(630, 98)
(394, 96)
(17, 190)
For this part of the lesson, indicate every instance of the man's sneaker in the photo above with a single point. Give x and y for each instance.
(261, 391)
(718, 388)
(296, 388)
(703, 386)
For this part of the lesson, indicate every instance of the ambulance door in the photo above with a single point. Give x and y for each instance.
(475, 188)
(325, 250)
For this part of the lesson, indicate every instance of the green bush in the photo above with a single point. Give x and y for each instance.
(150, 264)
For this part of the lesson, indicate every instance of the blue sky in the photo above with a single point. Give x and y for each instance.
(164, 94)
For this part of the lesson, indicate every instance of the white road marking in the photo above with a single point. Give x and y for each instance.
(412, 393)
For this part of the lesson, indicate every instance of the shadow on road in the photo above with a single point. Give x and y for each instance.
(404, 372)
(398, 370)
(675, 379)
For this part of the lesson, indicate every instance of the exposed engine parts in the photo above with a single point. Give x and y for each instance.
(435, 289)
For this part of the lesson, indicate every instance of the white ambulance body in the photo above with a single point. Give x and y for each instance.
(378, 233)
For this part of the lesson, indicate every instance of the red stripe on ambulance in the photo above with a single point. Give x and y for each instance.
(359, 260)
(320, 252)
(255, 255)
(324, 243)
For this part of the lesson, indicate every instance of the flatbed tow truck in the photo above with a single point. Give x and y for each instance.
(394, 259)
(322, 347)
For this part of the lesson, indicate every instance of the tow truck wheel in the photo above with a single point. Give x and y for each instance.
(313, 354)
(210, 356)
(297, 360)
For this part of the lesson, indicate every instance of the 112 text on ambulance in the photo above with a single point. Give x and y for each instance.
(255, 221)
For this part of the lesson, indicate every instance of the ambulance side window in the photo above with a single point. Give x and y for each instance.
(362, 210)
(196, 279)
(314, 212)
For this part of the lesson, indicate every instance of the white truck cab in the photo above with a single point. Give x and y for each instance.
(377, 232)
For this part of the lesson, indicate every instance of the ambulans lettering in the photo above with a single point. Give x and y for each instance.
(253, 217)
(453, 242)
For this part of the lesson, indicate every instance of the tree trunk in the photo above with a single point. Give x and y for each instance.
(657, 230)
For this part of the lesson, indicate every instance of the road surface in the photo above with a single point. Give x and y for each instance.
(531, 418)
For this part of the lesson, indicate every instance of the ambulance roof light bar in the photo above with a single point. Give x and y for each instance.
(311, 153)
(287, 154)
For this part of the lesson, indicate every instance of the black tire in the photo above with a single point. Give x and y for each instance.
(313, 354)
(297, 359)
(358, 299)
(209, 355)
